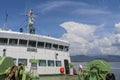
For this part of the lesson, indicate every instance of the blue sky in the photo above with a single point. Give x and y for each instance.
(90, 22)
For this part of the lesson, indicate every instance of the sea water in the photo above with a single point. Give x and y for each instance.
(115, 66)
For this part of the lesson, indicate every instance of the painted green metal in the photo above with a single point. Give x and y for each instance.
(6, 66)
(95, 70)
(34, 60)
(99, 69)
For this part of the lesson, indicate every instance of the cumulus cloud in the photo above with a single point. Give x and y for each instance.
(117, 28)
(117, 34)
(79, 31)
(84, 41)
(78, 35)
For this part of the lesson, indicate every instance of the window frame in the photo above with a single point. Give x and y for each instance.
(3, 42)
(40, 44)
(55, 46)
(21, 62)
(13, 41)
(32, 43)
(66, 48)
(58, 63)
(23, 44)
(61, 47)
(43, 63)
(48, 45)
(49, 63)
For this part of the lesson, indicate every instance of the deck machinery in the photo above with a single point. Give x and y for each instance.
(95, 70)
(8, 71)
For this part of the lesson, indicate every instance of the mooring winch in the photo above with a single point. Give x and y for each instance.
(9, 71)
(97, 70)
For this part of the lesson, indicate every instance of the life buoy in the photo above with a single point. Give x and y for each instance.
(62, 70)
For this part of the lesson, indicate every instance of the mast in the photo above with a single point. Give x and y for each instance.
(30, 19)
(5, 24)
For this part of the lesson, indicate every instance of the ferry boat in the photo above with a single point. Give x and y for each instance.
(43, 55)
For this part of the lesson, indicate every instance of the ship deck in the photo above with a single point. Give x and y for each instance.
(59, 77)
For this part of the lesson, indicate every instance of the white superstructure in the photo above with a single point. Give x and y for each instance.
(50, 53)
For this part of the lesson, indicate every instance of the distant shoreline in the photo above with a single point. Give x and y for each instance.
(85, 58)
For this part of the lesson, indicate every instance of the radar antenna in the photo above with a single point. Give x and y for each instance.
(30, 19)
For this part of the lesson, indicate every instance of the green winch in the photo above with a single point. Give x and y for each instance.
(9, 71)
(97, 70)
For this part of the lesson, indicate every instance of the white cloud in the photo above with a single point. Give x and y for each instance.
(83, 31)
(117, 32)
(117, 28)
(84, 41)
(117, 25)
(71, 7)
(78, 35)
(74, 38)
(90, 11)
(48, 6)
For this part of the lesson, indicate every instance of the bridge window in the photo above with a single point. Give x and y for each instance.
(32, 43)
(23, 42)
(60, 47)
(55, 47)
(22, 61)
(40, 45)
(66, 48)
(58, 63)
(50, 63)
(48, 45)
(42, 62)
(3, 40)
(13, 41)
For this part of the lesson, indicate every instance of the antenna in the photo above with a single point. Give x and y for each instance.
(6, 16)
(30, 19)
(5, 24)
